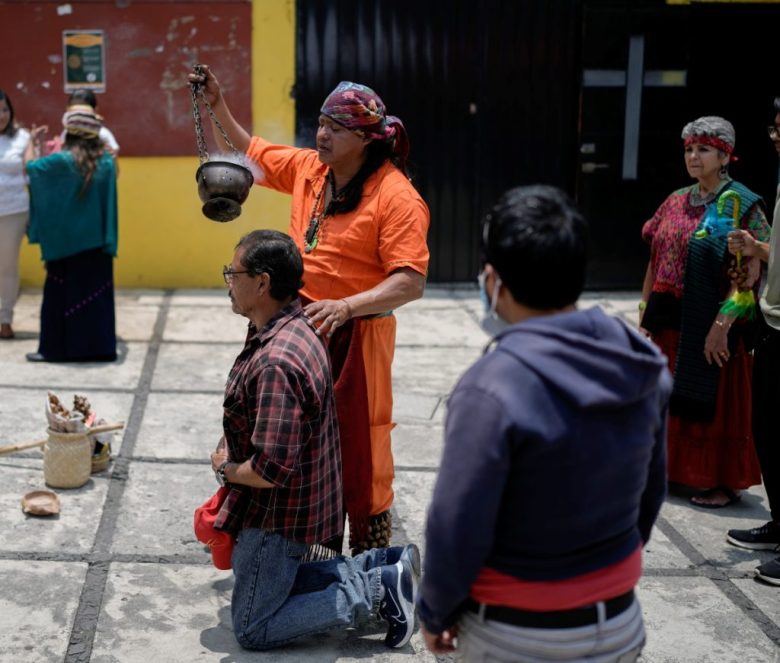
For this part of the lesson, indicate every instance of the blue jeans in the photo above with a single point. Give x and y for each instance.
(277, 598)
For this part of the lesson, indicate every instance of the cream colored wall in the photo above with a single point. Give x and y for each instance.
(164, 240)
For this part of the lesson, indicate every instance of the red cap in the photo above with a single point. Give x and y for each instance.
(220, 543)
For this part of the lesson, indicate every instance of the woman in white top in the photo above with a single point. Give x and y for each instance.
(14, 209)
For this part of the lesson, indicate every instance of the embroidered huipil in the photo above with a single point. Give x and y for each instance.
(671, 226)
(280, 413)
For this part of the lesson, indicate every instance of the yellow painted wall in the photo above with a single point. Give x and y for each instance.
(164, 240)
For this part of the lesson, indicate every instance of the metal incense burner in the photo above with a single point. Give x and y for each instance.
(222, 185)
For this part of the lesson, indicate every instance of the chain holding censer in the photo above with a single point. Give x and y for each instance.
(222, 185)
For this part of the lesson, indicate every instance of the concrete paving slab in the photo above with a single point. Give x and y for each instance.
(214, 322)
(37, 604)
(161, 613)
(200, 297)
(135, 322)
(705, 530)
(24, 415)
(121, 374)
(689, 620)
(72, 532)
(164, 601)
(136, 311)
(193, 366)
(408, 405)
(140, 297)
(437, 297)
(440, 415)
(473, 307)
(418, 445)
(448, 328)
(26, 322)
(433, 370)
(620, 304)
(155, 516)
(661, 553)
(182, 613)
(413, 490)
(765, 596)
(180, 425)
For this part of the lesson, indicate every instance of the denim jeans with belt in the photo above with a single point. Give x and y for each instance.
(277, 598)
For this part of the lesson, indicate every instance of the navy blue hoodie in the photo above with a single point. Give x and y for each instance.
(554, 458)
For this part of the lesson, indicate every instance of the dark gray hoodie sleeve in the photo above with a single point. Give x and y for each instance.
(655, 489)
(466, 500)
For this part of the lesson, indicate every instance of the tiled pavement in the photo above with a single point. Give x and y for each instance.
(119, 577)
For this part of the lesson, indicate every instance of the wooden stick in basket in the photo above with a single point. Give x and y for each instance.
(105, 428)
(95, 430)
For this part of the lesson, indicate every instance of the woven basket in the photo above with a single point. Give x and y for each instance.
(101, 459)
(67, 459)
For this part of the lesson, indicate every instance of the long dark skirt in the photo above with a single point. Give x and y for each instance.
(77, 314)
(718, 452)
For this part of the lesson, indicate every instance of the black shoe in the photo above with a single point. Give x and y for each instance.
(770, 572)
(397, 605)
(766, 537)
(34, 356)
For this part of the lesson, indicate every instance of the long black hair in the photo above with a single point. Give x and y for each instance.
(346, 200)
(10, 129)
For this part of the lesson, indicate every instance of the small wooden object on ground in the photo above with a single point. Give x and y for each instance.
(41, 503)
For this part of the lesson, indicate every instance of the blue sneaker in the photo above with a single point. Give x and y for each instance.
(397, 605)
(408, 552)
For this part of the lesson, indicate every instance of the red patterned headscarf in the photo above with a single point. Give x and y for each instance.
(359, 108)
(710, 130)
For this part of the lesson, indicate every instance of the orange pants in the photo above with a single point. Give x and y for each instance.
(378, 345)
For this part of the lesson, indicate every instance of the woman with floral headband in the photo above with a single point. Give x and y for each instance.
(73, 216)
(361, 227)
(686, 310)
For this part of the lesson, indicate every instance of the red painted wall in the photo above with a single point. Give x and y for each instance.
(150, 46)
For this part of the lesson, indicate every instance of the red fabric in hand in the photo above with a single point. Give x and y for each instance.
(220, 543)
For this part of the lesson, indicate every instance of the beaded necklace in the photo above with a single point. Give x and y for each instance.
(312, 235)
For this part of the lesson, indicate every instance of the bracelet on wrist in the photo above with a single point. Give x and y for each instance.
(220, 473)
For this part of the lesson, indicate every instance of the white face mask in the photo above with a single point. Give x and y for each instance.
(491, 322)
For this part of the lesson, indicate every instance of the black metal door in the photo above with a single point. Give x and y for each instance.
(488, 92)
(736, 75)
(633, 106)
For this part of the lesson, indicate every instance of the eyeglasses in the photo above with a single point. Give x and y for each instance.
(773, 131)
(228, 274)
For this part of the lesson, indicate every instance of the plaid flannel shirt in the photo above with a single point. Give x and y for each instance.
(280, 413)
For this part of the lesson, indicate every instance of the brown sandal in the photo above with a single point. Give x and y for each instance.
(6, 331)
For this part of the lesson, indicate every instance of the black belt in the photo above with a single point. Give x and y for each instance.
(552, 619)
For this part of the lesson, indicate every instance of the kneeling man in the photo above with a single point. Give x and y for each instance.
(280, 456)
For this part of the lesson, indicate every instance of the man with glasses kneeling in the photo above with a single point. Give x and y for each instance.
(280, 457)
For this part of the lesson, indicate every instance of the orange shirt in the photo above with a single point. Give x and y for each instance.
(358, 250)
